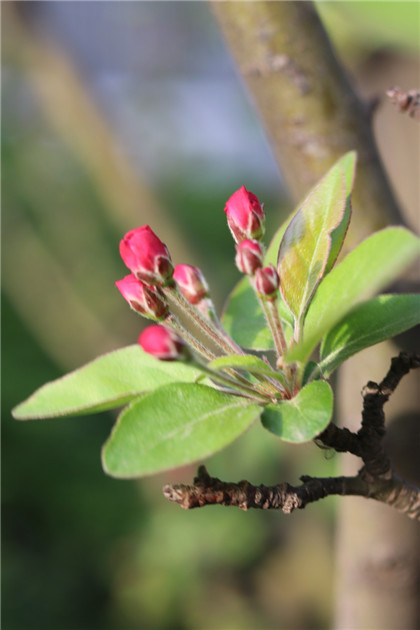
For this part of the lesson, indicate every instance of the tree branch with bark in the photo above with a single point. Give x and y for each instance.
(375, 479)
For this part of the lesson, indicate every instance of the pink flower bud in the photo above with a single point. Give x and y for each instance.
(266, 282)
(191, 282)
(149, 301)
(245, 216)
(163, 343)
(146, 256)
(249, 256)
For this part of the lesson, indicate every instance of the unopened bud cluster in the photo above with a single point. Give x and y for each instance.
(158, 290)
(147, 289)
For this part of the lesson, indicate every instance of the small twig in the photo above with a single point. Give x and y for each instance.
(406, 101)
(375, 480)
(372, 431)
(208, 490)
(341, 440)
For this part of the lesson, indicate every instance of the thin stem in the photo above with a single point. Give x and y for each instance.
(272, 305)
(220, 338)
(172, 322)
(268, 308)
(218, 324)
(175, 297)
(249, 390)
(236, 377)
(273, 320)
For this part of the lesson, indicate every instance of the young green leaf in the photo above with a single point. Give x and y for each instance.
(245, 321)
(303, 417)
(246, 362)
(305, 250)
(109, 381)
(367, 324)
(173, 426)
(372, 265)
(348, 164)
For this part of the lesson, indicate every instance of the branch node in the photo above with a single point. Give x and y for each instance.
(375, 480)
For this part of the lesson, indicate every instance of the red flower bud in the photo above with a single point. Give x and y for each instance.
(266, 282)
(245, 215)
(191, 282)
(146, 256)
(249, 256)
(163, 343)
(144, 299)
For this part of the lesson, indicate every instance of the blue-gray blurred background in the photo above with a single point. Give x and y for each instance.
(115, 115)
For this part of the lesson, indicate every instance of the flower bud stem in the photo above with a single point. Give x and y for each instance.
(217, 334)
(224, 342)
(249, 391)
(236, 378)
(172, 322)
(233, 345)
(273, 320)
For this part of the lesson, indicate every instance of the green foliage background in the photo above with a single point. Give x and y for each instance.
(80, 550)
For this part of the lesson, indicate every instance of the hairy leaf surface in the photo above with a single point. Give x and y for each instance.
(372, 265)
(303, 417)
(367, 324)
(173, 426)
(109, 381)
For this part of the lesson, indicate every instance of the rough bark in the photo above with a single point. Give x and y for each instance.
(306, 102)
(375, 480)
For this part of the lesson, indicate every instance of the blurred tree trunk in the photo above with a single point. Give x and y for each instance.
(126, 201)
(312, 116)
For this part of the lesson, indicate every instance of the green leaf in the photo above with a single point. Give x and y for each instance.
(246, 362)
(245, 321)
(311, 372)
(348, 163)
(303, 417)
(172, 426)
(367, 324)
(109, 381)
(273, 249)
(372, 265)
(306, 247)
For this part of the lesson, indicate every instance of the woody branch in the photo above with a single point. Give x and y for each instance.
(375, 480)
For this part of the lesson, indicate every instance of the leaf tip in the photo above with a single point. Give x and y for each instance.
(18, 412)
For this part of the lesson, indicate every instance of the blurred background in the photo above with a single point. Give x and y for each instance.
(115, 115)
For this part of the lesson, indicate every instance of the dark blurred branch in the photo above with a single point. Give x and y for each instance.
(367, 442)
(306, 102)
(375, 480)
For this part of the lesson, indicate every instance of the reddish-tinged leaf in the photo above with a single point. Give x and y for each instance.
(306, 250)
